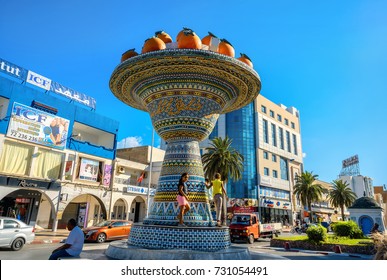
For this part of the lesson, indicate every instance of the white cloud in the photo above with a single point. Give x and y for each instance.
(129, 142)
(304, 155)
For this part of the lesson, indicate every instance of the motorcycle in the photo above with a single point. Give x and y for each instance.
(298, 230)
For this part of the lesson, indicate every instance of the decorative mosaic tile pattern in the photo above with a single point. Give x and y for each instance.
(144, 78)
(184, 92)
(198, 239)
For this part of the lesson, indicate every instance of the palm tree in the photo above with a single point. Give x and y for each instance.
(307, 191)
(341, 195)
(222, 158)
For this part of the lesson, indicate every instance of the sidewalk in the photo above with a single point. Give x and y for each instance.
(358, 256)
(48, 236)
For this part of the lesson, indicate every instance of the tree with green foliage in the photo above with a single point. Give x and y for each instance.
(341, 195)
(307, 191)
(221, 158)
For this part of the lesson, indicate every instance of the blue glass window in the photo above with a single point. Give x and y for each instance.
(266, 171)
(279, 118)
(284, 168)
(274, 158)
(295, 144)
(286, 121)
(275, 174)
(271, 113)
(265, 132)
(274, 135)
(274, 193)
(265, 155)
(288, 141)
(281, 137)
(263, 109)
(293, 126)
(240, 128)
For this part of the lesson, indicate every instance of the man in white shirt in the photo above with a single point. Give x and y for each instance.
(74, 243)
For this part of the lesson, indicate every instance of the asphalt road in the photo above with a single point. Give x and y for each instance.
(91, 250)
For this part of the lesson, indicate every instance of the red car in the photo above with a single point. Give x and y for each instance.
(108, 230)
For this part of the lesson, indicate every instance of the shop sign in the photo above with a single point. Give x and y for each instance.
(241, 202)
(272, 203)
(72, 94)
(45, 83)
(38, 80)
(24, 184)
(244, 209)
(268, 203)
(139, 190)
(22, 200)
(12, 69)
(265, 181)
(35, 126)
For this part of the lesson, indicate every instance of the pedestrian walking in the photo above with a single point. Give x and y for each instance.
(13, 214)
(73, 245)
(182, 198)
(218, 191)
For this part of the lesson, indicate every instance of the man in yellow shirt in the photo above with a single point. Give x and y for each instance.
(218, 191)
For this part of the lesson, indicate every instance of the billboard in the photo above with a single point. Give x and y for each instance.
(107, 174)
(350, 161)
(36, 126)
(89, 170)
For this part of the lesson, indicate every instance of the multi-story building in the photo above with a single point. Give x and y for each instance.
(269, 138)
(360, 185)
(56, 152)
(279, 159)
(133, 177)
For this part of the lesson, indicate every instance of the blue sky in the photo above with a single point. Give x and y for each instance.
(326, 58)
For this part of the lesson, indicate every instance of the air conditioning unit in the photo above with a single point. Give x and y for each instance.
(121, 169)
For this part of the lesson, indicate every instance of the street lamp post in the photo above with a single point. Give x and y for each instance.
(259, 202)
(150, 173)
(292, 204)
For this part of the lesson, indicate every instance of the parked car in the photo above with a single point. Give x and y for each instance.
(14, 233)
(108, 230)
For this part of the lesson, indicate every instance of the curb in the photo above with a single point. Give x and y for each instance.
(46, 241)
(317, 252)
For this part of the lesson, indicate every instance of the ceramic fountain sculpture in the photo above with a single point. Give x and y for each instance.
(184, 91)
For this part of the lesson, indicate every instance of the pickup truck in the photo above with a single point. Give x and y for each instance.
(246, 226)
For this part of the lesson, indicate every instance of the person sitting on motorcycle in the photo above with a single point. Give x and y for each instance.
(304, 226)
(297, 226)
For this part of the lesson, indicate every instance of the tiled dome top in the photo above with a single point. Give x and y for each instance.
(365, 202)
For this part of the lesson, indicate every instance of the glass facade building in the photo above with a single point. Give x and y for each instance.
(240, 127)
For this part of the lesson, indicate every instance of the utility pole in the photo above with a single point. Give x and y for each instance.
(150, 172)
